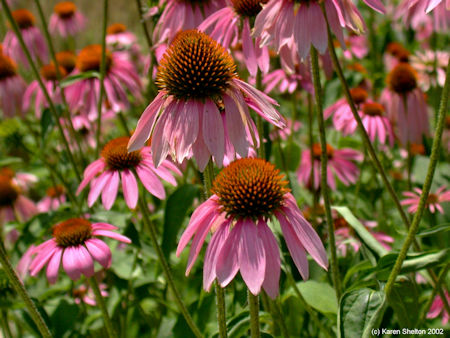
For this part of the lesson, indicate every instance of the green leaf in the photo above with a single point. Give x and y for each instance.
(176, 208)
(414, 261)
(63, 317)
(441, 228)
(69, 80)
(47, 123)
(320, 296)
(362, 232)
(403, 300)
(359, 311)
(289, 157)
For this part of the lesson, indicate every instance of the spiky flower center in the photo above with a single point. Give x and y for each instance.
(396, 49)
(117, 156)
(195, 67)
(65, 9)
(24, 18)
(317, 151)
(48, 72)
(402, 79)
(7, 67)
(116, 28)
(56, 191)
(373, 109)
(250, 188)
(8, 191)
(67, 60)
(90, 58)
(73, 232)
(248, 8)
(359, 95)
(432, 199)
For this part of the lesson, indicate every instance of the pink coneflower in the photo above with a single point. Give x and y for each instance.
(202, 106)
(288, 82)
(66, 19)
(357, 46)
(291, 127)
(180, 15)
(76, 245)
(231, 24)
(120, 78)
(67, 60)
(119, 39)
(345, 237)
(50, 80)
(32, 37)
(247, 193)
(55, 196)
(437, 308)
(12, 87)
(117, 163)
(414, 13)
(394, 54)
(340, 163)
(13, 204)
(24, 263)
(282, 19)
(426, 64)
(405, 104)
(85, 294)
(434, 200)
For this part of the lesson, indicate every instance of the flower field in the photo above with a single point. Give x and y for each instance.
(224, 168)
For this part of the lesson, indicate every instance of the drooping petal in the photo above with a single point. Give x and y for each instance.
(130, 188)
(213, 132)
(111, 234)
(97, 187)
(272, 272)
(100, 251)
(53, 266)
(227, 264)
(86, 264)
(109, 192)
(151, 182)
(70, 263)
(252, 257)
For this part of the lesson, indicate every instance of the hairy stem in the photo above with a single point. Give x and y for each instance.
(20, 289)
(253, 304)
(323, 171)
(101, 303)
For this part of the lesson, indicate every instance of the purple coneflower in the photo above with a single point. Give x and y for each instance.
(12, 87)
(202, 105)
(340, 163)
(32, 37)
(437, 308)
(120, 78)
(76, 246)
(66, 19)
(55, 196)
(434, 200)
(405, 104)
(227, 24)
(246, 195)
(117, 163)
(414, 13)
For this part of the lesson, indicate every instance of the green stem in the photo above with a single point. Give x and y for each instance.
(123, 121)
(5, 324)
(20, 289)
(165, 265)
(434, 157)
(323, 171)
(221, 313)
(75, 135)
(208, 178)
(361, 128)
(101, 303)
(33, 66)
(102, 76)
(311, 153)
(253, 304)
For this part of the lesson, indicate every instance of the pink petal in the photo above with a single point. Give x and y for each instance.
(89, 173)
(110, 191)
(97, 186)
(100, 251)
(130, 188)
(70, 263)
(86, 264)
(248, 49)
(236, 121)
(151, 182)
(111, 234)
(212, 253)
(272, 272)
(213, 133)
(228, 260)
(53, 266)
(252, 257)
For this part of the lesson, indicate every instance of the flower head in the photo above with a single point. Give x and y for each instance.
(202, 107)
(433, 203)
(117, 163)
(67, 60)
(55, 196)
(437, 308)
(76, 245)
(12, 87)
(247, 194)
(340, 163)
(121, 78)
(32, 37)
(66, 19)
